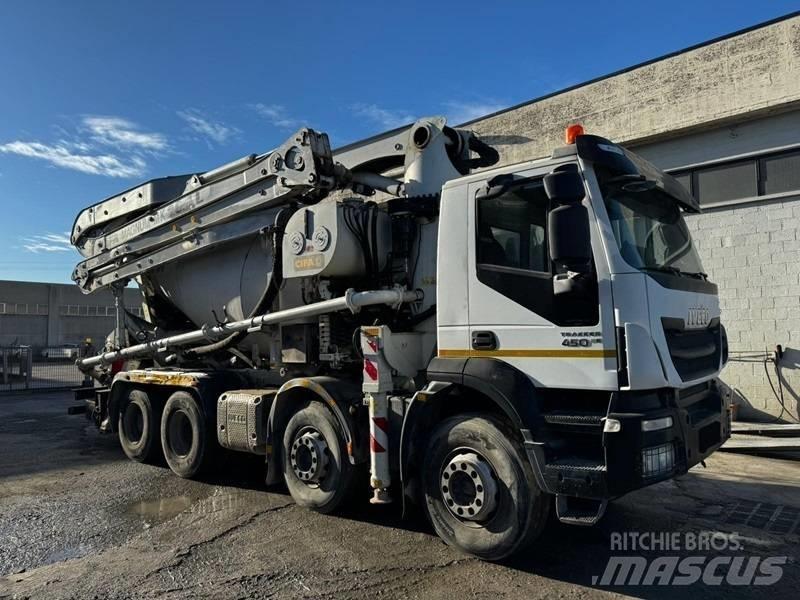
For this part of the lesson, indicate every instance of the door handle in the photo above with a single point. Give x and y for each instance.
(484, 340)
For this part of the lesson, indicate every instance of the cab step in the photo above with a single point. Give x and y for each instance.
(576, 477)
(579, 511)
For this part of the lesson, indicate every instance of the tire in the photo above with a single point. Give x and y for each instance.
(511, 509)
(138, 427)
(321, 493)
(184, 435)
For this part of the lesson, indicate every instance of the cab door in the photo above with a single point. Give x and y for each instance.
(514, 314)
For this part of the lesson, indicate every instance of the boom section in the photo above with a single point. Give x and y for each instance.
(166, 219)
(213, 209)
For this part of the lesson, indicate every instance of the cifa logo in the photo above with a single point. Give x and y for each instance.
(699, 316)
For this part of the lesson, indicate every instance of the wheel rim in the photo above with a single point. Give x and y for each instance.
(469, 486)
(181, 434)
(133, 423)
(309, 456)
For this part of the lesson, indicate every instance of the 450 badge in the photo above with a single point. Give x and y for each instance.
(581, 339)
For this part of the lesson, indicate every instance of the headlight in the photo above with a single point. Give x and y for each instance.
(656, 424)
(658, 460)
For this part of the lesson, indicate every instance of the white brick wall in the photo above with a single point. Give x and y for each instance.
(752, 253)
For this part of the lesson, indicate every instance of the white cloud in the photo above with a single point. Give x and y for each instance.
(75, 145)
(387, 118)
(96, 147)
(62, 155)
(115, 131)
(460, 112)
(47, 242)
(200, 124)
(276, 115)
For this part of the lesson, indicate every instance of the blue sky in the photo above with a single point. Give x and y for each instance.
(98, 96)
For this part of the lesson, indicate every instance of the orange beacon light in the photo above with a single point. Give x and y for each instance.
(572, 132)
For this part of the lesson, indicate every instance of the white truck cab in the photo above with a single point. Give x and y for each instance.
(619, 331)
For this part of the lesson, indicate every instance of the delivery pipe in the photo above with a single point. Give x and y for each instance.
(352, 300)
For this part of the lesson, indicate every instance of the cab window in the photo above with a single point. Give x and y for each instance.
(511, 230)
(511, 247)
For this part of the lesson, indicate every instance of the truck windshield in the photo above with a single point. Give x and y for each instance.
(651, 233)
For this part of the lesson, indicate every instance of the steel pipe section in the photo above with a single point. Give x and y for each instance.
(352, 300)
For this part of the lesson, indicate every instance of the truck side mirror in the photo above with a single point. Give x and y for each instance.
(568, 223)
(569, 242)
(564, 186)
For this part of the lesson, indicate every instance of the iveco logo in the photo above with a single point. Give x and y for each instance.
(698, 317)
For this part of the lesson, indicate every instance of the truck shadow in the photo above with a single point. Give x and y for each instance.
(237, 470)
(39, 436)
(580, 555)
(726, 508)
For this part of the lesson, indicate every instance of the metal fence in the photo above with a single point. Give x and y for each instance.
(22, 368)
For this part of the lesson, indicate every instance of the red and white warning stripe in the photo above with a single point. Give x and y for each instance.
(378, 434)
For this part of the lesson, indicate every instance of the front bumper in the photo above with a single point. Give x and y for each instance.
(633, 458)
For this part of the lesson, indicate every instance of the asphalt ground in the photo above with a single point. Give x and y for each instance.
(78, 520)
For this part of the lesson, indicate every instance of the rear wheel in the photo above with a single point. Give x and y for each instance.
(480, 492)
(316, 467)
(184, 435)
(138, 427)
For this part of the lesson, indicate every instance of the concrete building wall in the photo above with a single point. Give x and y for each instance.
(732, 80)
(735, 97)
(43, 314)
(24, 330)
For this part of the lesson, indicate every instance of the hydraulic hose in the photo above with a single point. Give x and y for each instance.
(487, 156)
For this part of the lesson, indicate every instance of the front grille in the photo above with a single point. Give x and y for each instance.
(695, 353)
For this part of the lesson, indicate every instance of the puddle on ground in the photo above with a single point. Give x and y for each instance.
(153, 512)
(223, 501)
(160, 509)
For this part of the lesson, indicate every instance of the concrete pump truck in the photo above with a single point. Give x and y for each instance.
(489, 343)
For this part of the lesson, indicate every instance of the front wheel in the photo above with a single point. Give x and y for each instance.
(480, 492)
